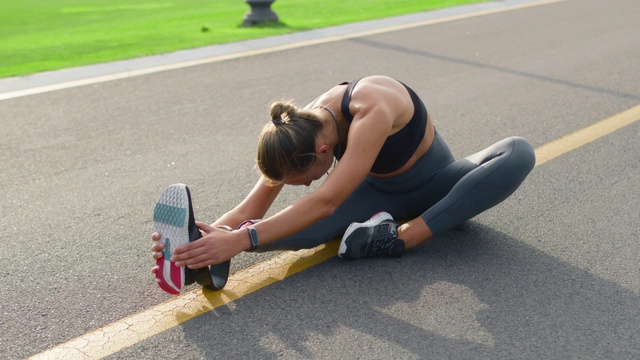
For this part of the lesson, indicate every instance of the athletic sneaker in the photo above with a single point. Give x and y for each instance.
(174, 221)
(376, 237)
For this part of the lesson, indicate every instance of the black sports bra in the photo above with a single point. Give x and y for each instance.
(399, 147)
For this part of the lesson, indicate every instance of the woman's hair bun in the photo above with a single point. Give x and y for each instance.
(282, 111)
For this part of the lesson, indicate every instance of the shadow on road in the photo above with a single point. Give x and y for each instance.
(471, 293)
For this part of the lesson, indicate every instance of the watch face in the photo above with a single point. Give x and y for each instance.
(253, 235)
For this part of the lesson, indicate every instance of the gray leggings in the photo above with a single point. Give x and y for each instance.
(443, 191)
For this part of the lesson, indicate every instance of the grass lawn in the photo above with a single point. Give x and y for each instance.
(41, 35)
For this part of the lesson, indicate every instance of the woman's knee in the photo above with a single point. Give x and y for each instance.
(515, 160)
(523, 156)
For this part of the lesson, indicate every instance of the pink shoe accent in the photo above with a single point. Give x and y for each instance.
(166, 276)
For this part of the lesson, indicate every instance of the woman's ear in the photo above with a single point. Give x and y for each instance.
(323, 149)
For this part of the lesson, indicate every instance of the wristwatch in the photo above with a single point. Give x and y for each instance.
(253, 236)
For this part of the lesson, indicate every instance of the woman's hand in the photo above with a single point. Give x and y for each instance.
(158, 247)
(216, 246)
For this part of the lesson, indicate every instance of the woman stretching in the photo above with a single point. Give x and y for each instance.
(393, 164)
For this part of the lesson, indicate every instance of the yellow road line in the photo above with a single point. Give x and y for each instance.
(136, 328)
(156, 69)
(586, 135)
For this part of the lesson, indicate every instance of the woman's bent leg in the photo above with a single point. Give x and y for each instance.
(496, 173)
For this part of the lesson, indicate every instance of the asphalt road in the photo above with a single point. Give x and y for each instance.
(550, 273)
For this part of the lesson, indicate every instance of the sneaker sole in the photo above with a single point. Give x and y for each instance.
(171, 221)
(375, 219)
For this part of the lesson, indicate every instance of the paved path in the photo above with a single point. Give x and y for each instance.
(550, 273)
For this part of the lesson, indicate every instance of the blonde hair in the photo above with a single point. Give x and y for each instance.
(287, 143)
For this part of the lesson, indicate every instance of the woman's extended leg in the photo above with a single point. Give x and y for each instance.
(363, 203)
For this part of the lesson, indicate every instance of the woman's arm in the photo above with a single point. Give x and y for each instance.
(365, 140)
(376, 107)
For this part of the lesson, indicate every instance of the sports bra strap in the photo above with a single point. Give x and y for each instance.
(346, 99)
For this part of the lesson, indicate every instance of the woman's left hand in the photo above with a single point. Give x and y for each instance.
(216, 246)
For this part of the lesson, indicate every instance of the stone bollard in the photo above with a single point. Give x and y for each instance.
(259, 12)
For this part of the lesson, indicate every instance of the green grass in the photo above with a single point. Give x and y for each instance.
(41, 35)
